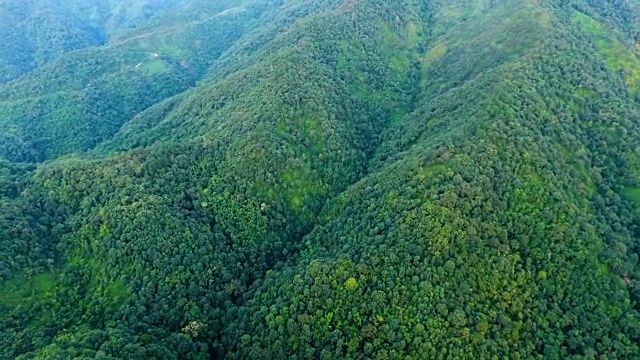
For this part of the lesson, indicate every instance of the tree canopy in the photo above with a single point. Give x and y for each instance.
(334, 179)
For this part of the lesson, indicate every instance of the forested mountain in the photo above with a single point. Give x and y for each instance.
(84, 97)
(36, 32)
(327, 179)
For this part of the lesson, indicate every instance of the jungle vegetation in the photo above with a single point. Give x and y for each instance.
(326, 179)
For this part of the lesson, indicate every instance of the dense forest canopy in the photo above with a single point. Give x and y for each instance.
(326, 179)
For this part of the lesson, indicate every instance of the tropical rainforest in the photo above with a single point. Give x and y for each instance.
(319, 179)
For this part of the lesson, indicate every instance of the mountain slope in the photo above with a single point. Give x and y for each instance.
(455, 244)
(84, 97)
(36, 32)
(352, 179)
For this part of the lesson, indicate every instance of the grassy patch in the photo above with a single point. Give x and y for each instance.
(569, 158)
(564, 151)
(397, 116)
(602, 270)
(482, 44)
(433, 55)
(535, 179)
(633, 158)
(117, 291)
(301, 189)
(21, 288)
(312, 131)
(170, 48)
(155, 67)
(430, 172)
(395, 49)
(398, 49)
(633, 193)
(413, 37)
(454, 12)
(300, 184)
(241, 217)
(588, 181)
(619, 58)
(100, 282)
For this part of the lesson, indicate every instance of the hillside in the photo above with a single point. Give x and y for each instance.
(332, 179)
(37, 32)
(83, 97)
